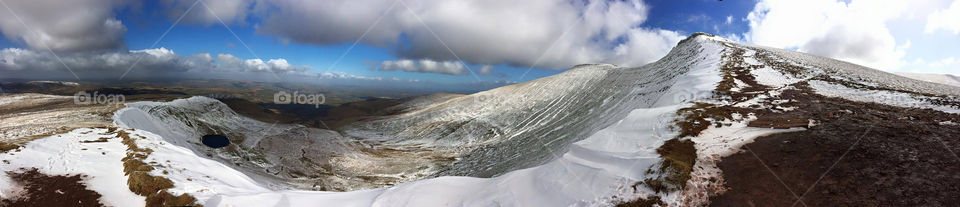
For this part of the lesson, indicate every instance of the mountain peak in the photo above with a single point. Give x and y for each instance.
(703, 35)
(696, 34)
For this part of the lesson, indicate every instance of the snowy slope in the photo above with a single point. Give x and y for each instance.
(491, 132)
(945, 79)
(586, 137)
(591, 172)
(616, 117)
(287, 156)
(66, 154)
(857, 73)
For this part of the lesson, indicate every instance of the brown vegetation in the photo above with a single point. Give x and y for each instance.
(142, 183)
(4, 146)
(679, 154)
(877, 155)
(45, 190)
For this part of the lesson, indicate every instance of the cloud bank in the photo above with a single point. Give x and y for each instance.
(431, 66)
(539, 33)
(856, 32)
(208, 12)
(142, 63)
(438, 34)
(947, 19)
(63, 26)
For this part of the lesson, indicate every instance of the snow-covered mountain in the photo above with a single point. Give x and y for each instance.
(596, 135)
(945, 79)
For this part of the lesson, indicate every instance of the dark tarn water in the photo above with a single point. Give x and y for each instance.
(215, 141)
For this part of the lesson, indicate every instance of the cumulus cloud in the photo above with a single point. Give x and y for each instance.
(947, 19)
(946, 65)
(431, 66)
(148, 61)
(544, 33)
(208, 11)
(485, 70)
(161, 63)
(80, 25)
(854, 32)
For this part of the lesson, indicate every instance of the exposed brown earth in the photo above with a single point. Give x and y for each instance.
(779, 122)
(853, 154)
(872, 154)
(50, 190)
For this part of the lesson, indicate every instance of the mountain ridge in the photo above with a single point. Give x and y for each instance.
(685, 130)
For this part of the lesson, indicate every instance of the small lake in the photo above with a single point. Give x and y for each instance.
(215, 141)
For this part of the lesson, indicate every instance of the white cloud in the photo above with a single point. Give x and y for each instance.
(946, 65)
(943, 62)
(518, 33)
(347, 76)
(729, 20)
(947, 19)
(161, 63)
(228, 59)
(230, 11)
(430, 66)
(204, 57)
(854, 32)
(158, 60)
(79, 25)
(485, 70)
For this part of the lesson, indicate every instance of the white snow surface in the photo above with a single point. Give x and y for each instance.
(64, 154)
(595, 171)
(858, 73)
(198, 176)
(877, 96)
(589, 173)
(945, 79)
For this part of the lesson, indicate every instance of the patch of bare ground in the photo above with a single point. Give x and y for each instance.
(679, 154)
(50, 190)
(4, 146)
(142, 183)
(867, 154)
(853, 153)
(640, 202)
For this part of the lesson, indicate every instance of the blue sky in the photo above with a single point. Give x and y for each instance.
(426, 41)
